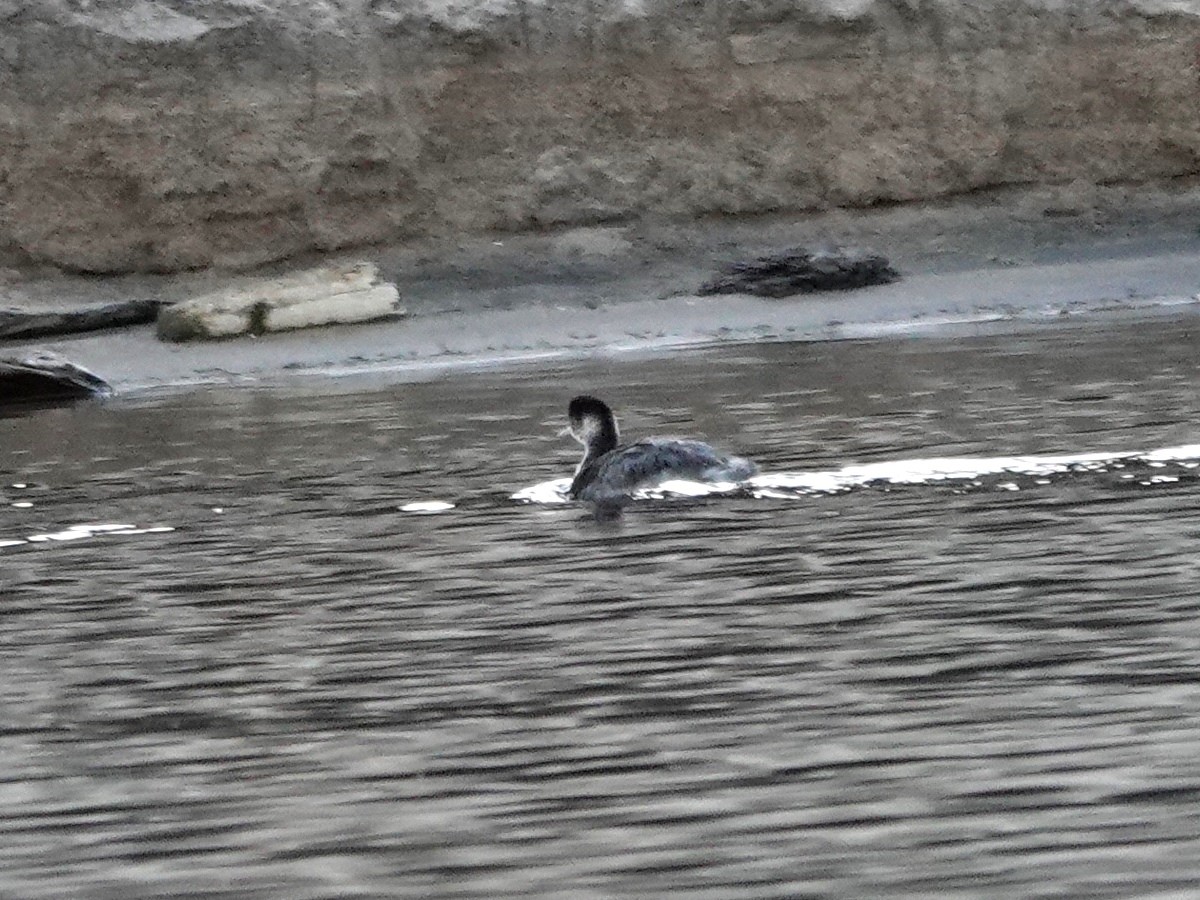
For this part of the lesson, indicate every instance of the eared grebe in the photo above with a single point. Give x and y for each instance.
(608, 472)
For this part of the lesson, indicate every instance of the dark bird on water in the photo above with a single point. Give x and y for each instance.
(609, 472)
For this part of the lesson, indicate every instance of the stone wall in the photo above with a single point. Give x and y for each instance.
(159, 135)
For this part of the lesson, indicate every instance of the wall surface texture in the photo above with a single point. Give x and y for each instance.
(158, 135)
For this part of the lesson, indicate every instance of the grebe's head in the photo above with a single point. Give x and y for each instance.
(591, 421)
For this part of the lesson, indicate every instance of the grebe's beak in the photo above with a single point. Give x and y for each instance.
(566, 432)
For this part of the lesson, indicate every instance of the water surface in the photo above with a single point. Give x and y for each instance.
(250, 672)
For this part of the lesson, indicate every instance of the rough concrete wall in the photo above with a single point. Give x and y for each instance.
(171, 134)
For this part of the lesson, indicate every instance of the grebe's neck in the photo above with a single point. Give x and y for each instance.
(599, 435)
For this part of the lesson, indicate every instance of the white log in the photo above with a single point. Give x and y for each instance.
(324, 296)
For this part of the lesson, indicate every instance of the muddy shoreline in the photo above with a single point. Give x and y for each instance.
(185, 135)
(1002, 261)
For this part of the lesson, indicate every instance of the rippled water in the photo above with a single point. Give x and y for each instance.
(237, 662)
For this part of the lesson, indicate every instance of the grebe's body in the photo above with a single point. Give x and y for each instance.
(609, 471)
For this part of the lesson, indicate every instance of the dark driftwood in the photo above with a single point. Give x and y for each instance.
(801, 271)
(46, 378)
(20, 323)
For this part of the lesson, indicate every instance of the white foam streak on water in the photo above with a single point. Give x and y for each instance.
(426, 506)
(76, 532)
(924, 471)
(1189, 452)
(789, 485)
(556, 491)
(80, 532)
(546, 492)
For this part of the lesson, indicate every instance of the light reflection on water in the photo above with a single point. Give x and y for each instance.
(891, 681)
